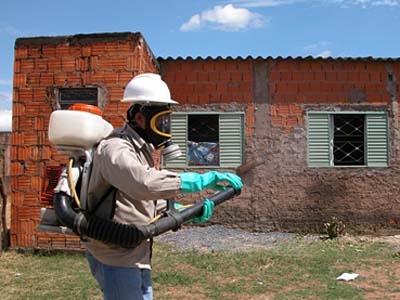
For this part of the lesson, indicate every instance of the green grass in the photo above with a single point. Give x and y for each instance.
(301, 270)
(45, 276)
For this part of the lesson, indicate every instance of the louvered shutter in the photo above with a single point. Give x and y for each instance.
(179, 137)
(318, 140)
(231, 139)
(377, 140)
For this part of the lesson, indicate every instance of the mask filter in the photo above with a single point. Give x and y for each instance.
(171, 151)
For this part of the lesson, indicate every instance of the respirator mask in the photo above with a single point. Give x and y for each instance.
(157, 128)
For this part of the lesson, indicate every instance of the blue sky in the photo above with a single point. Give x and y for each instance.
(337, 28)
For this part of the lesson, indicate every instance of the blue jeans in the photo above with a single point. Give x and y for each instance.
(121, 283)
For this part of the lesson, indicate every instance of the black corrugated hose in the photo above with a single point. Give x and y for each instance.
(123, 235)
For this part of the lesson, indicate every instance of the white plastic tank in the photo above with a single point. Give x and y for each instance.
(80, 126)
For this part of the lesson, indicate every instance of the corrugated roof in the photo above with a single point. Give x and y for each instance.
(367, 58)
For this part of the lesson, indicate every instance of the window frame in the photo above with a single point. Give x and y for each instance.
(179, 136)
(312, 159)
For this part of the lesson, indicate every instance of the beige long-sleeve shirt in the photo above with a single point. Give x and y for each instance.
(118, 162)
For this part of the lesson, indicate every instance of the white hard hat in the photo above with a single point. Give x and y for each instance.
(147, 88)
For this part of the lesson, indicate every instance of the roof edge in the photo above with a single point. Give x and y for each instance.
(366, 58)
(78, 39)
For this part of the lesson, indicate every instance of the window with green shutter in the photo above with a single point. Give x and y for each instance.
(208, 139)
(347, 139)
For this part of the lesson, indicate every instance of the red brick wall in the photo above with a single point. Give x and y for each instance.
(290, 83)
(203, 82)
(295, 82)
(108, 61)
(328, 81)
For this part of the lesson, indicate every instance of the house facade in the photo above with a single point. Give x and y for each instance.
(326, 131)
(323, 134)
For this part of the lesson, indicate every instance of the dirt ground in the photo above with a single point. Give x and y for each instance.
(392, 239)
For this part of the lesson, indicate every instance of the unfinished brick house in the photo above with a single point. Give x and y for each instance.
(324, 132)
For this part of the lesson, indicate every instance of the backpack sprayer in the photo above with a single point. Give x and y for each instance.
(70, 215)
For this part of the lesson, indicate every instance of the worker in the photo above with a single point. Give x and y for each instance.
(126, 186)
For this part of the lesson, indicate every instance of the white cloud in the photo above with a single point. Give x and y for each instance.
(366, 3)
(317, 46)
(9, 30)
(325, 53)
(5, 120)
(343, 3)
(265, 3)
(4, 97)
(319, 49)
(5, 100)
(5, 82)
(225, 18)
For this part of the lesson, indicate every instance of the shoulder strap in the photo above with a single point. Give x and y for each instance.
(145, 150)
(110, 190)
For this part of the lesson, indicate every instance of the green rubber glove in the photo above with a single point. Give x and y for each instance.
(177, 205)
(194, 182)
(208, 209)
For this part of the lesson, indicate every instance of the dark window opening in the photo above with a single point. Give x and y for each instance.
(203, 140)
(348, 140)
(70, 96)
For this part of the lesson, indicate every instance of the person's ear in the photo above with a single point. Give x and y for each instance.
(140, 120)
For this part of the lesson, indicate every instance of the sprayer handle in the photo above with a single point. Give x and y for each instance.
(172, 222)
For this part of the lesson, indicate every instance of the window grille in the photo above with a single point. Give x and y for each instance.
(348, 140)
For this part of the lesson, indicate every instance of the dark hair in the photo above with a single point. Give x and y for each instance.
(132, 111)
